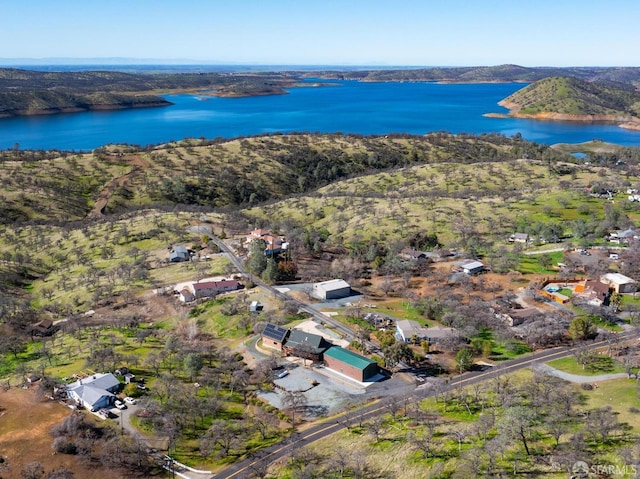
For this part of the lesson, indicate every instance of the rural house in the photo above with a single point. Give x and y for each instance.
(352, 365)
(516, 317)
(410, 331)
(519, 238)
(94, 392)
(332, 289)
(596, 292)
(43, 328)
(273, 336)
(305, 345)
(179, 253)
(211, 288)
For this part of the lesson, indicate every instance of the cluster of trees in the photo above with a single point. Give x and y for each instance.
(78, 436)
(535, 426)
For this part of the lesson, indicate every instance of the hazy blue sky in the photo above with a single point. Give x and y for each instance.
(345, 32)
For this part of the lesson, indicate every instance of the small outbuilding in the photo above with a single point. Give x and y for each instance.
(332, 289)
(352, 365)
(471, 266)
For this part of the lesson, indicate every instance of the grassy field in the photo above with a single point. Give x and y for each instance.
(621, 395)
(602, 365)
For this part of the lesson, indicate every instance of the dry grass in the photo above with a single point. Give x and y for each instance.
(24, 437)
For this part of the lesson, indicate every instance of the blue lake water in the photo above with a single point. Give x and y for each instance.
(348, 107)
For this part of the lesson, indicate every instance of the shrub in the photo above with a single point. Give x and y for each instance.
(63, 446)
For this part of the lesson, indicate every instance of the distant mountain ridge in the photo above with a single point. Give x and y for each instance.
(565, 98)
(29, 92)
(498, 73)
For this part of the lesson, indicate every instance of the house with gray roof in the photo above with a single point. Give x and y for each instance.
(179, 253)
(94, 392)
(305, 345)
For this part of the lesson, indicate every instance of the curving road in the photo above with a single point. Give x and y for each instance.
(315, 314)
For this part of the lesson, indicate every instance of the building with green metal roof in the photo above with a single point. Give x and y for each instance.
(350, 364)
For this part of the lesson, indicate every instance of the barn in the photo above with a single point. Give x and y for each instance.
(332, 289)
(352, 365)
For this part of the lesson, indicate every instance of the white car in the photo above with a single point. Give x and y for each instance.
(120, 404)
(129, 400)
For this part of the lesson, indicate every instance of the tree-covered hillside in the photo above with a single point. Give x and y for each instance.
(572, 96)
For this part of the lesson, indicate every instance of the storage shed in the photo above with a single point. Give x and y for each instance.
(619, 282)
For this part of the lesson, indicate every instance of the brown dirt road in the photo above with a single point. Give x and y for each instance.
(138, 163)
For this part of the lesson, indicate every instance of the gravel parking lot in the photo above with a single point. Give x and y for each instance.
(324, 394)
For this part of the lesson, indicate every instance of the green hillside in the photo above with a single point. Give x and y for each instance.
(571, 96)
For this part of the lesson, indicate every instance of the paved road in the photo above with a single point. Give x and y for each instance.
(316, 315)
(244, 469)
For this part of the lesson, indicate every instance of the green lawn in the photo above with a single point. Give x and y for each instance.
(602, 365)
(621, 395)
(529, 264)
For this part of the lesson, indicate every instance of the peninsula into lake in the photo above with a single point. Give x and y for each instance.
(572, 99)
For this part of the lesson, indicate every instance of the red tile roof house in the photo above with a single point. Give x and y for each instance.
(211, 288)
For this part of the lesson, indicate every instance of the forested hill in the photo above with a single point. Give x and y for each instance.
(571, 96)
(52, 185)
(27, 92)
(499, 73)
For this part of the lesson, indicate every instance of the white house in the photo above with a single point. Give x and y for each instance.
(407, 329)
(94, 392)
(332, 289)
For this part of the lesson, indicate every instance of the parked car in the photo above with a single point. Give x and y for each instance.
(129, 400)
(120, 405)
(142, 386)
(283, 374)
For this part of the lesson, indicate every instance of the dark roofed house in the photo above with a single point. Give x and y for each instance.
(598, 293)
(43, 328)
(305, 345)
(412, 254)
(274, 336)
(352, 365)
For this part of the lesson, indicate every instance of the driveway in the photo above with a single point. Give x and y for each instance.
(574, 378)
